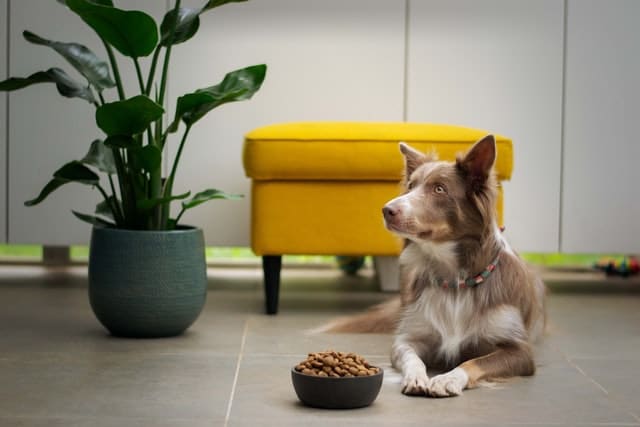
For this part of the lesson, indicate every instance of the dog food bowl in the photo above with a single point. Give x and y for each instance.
(336, 393)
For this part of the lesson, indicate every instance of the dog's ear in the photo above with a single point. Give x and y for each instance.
(477, 163)
(412, 158)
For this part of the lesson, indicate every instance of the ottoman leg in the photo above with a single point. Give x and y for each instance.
(388, 272)
(271, 265)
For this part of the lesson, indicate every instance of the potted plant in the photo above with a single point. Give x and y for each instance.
(147, 272)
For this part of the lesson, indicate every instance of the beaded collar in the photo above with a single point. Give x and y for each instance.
(472, 282)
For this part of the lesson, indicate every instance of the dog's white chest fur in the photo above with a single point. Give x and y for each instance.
(448, 321)
(445, 315)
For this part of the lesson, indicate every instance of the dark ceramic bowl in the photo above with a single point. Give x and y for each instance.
(336, 393)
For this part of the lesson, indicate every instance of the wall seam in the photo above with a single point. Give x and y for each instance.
(405, 86)
(7, 117)
(563, 107)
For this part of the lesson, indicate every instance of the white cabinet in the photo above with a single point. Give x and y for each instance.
(46, 130)
(601, 207)
(493, 64)
(3, 124)
(497, 65)
(328, 60)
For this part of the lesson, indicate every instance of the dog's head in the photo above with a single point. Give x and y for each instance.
(445, 201)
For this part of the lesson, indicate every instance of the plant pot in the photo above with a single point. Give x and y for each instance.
(147, 284)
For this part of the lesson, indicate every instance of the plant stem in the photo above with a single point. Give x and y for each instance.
(180, 215)
(139, 74)
(116, 71)
(167, 55)
(161, 214)
(117, 208)
(152, 71)
(113, 206)
(128, 198)
(155, 177)
(168, 186)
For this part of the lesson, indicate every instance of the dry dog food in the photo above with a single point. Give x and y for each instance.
(336, 364)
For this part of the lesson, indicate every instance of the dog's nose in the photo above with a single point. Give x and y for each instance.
(390, 212)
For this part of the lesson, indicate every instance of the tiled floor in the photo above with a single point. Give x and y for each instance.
(59, 368)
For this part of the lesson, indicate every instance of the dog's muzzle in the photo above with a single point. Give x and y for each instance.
(392, 217)
(390, 213)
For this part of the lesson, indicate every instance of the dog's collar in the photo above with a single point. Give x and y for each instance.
(472, 282)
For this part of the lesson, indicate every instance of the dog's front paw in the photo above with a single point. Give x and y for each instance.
(415, 383)
(450, 384)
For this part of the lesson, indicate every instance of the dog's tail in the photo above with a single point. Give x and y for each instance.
(380, 319)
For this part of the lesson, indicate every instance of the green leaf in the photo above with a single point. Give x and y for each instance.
(66, 86)
(148, 204)
(206, 195)
(187, 25)
(73, 171)
(102, 2)
(104, 207)
(133, 33)
(128, 117)
(101, 157)
(93, 220)
(51, 186)
(148, 157)
(84, 60)
(215, 3)
(237, 85)
(121, 141)
(187, 22)
(16, 83)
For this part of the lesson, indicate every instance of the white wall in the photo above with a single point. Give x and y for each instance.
(3, 123)
(328, 60)
(497, 65)
(601, 203)
(493, 64)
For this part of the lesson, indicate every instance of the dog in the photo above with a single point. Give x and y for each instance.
(467, 303)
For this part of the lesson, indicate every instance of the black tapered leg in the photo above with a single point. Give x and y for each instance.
(271, 265)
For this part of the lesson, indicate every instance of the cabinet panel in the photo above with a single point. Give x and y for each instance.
(601, 175)
(46, 130)
(497, 65)
(328, 60)
(3, 124)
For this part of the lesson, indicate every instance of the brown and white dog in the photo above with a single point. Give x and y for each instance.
(467, 301)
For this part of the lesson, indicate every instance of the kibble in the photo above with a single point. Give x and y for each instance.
(336, 364)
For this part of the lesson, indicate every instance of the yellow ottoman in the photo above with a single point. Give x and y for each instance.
(319, 187)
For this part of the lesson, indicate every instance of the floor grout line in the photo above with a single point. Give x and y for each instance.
(604, 390)
(237, 373)
(584, 374)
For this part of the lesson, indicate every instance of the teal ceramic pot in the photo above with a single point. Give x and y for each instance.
(147, 284)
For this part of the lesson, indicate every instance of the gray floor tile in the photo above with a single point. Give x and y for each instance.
(105, 421)
(290, 336)
(557, 395)
(620, 378)
(135, 385)
(40, 320)
(596, 326)
(58, 366)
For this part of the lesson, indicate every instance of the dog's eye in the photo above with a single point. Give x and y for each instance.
(410, 185)
(439, 189)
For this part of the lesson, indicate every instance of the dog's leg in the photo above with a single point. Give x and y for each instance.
(507, 361)
(405, 358)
